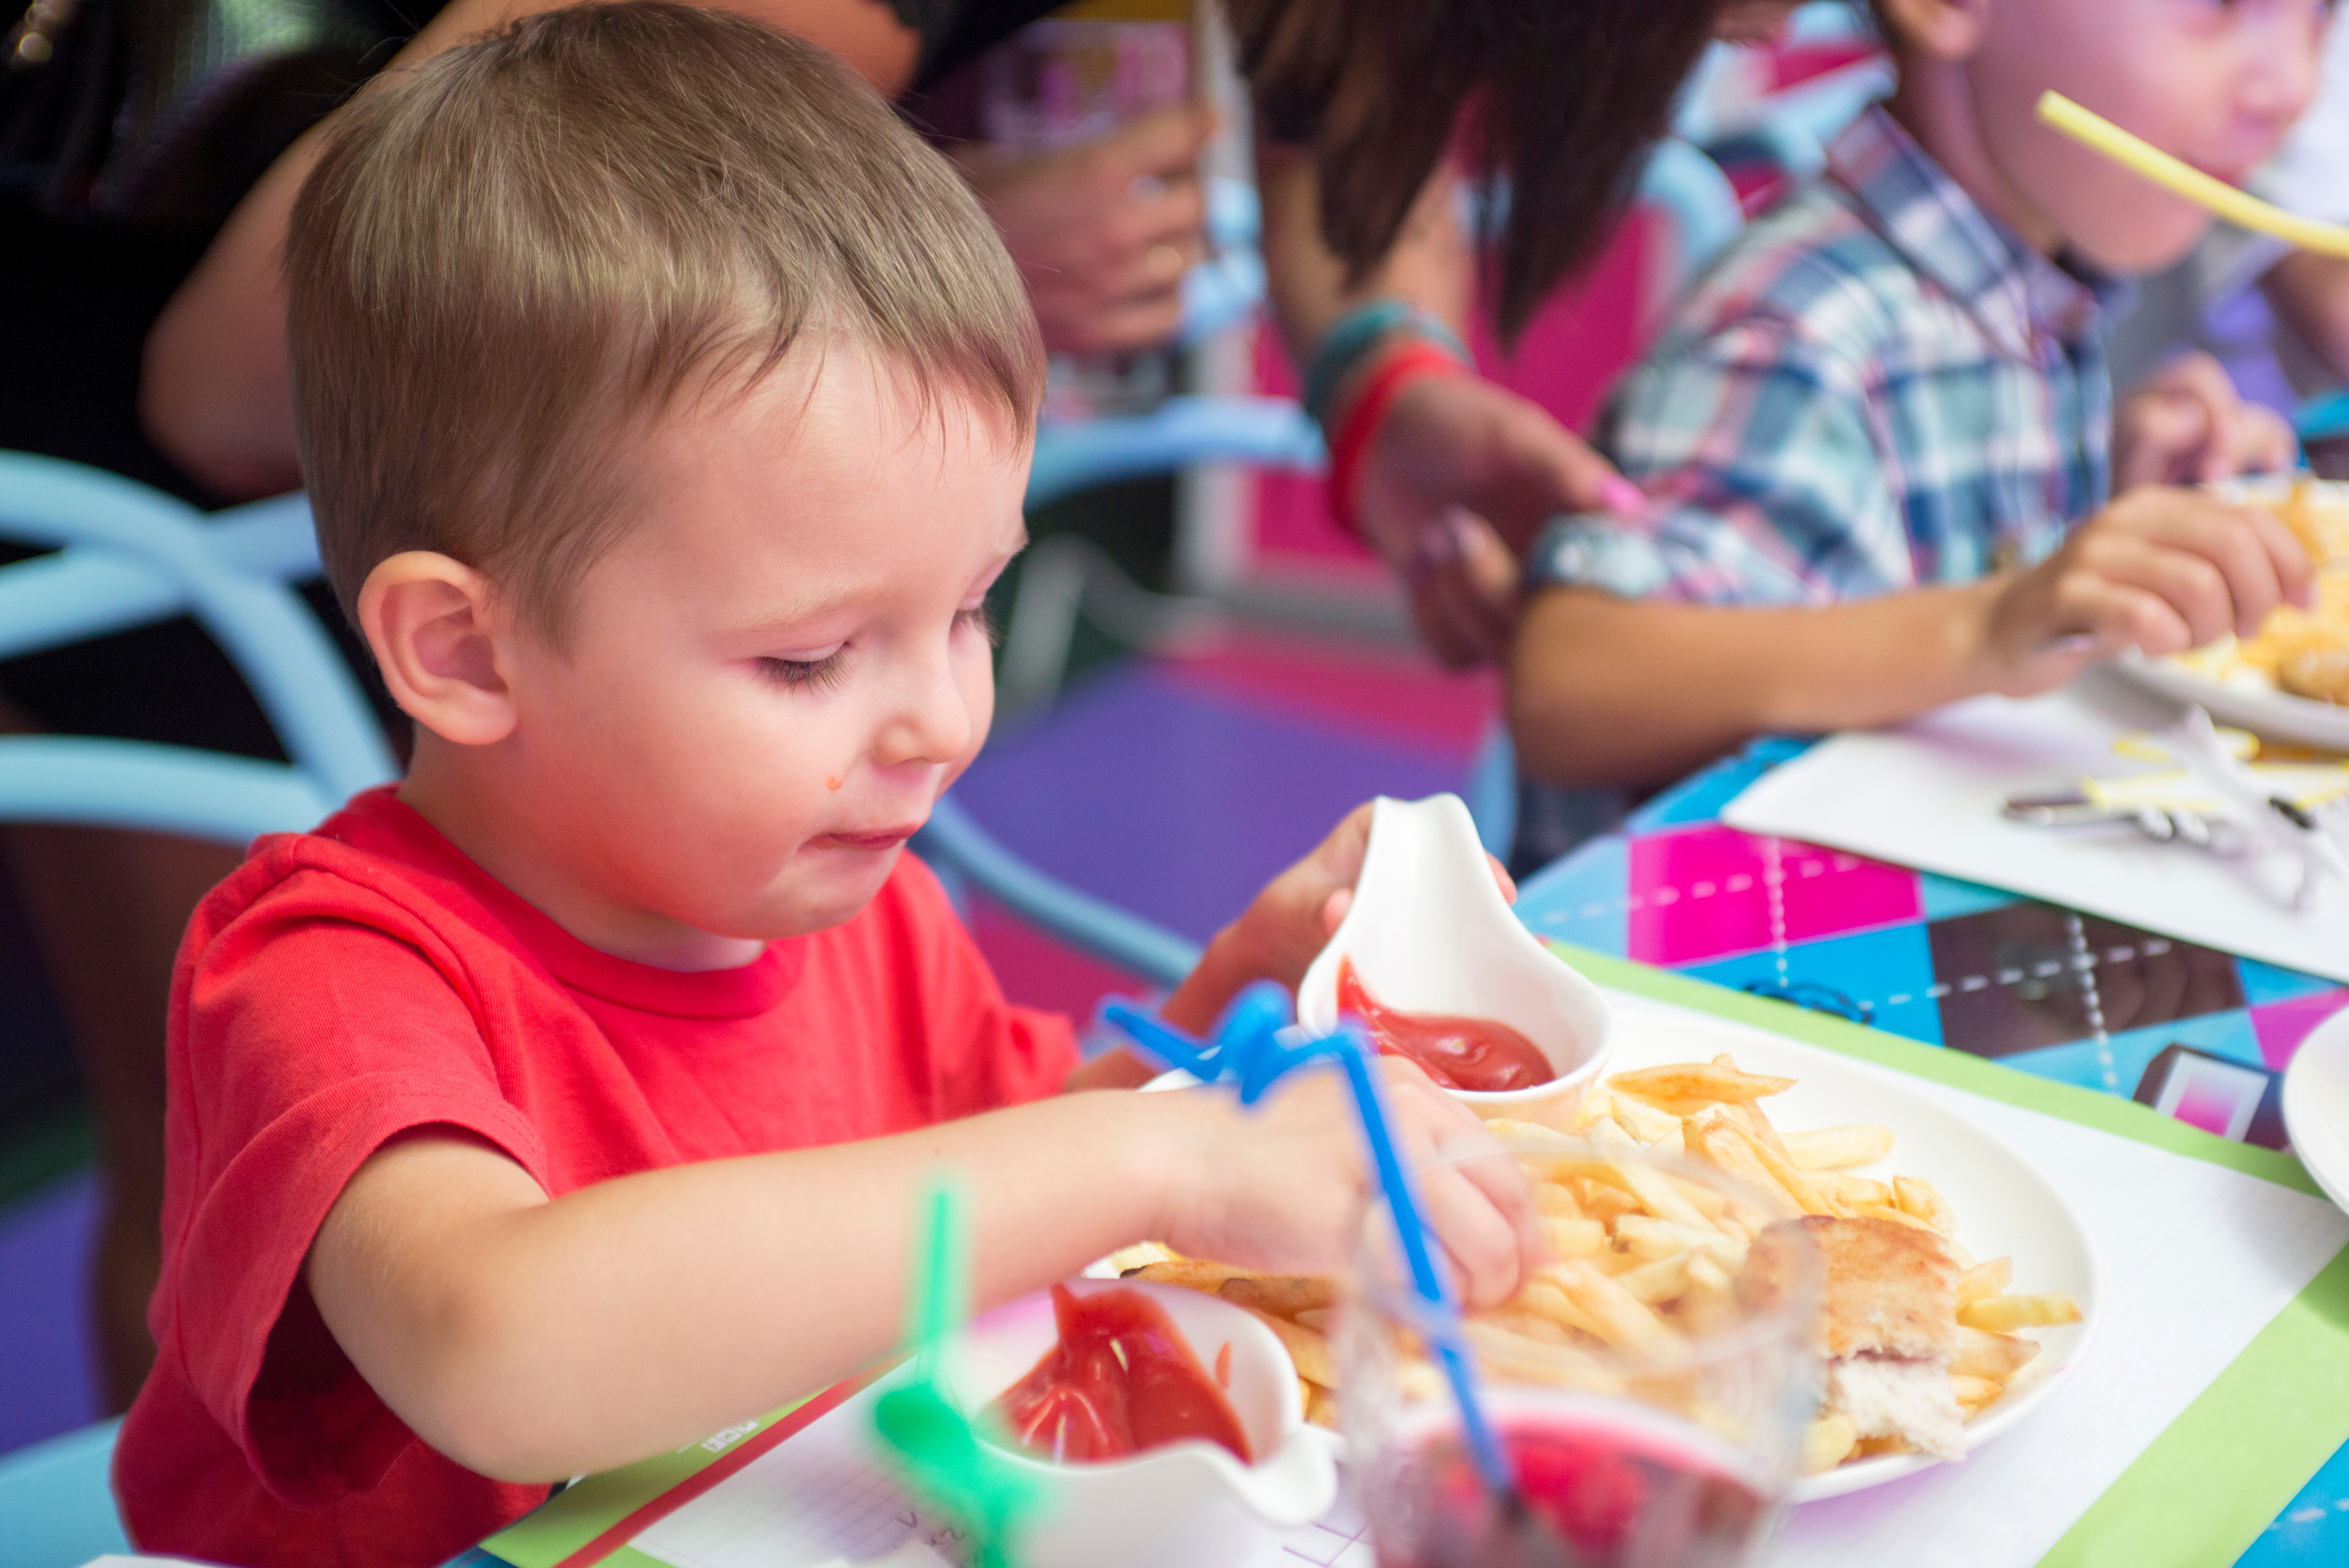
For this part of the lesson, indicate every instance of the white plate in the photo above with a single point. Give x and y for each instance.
(2316, 1106)
(2004, 1205)
(2262, 710)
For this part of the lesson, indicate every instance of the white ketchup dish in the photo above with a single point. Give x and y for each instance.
(1429, 932)
(1186, 1504)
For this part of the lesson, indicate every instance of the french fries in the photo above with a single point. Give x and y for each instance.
(1837, 1148)
(1996, 1356)
(1983, 1280)
(1279, 1297)
(1644, 1255)
(1696, 1080)
(1316, 1361)
(1828, 1442)
(1916, 1196)
(2006, 1313)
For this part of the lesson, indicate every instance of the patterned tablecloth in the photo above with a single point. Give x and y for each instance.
(2200, 1034)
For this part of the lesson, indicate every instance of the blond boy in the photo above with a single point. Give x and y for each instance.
(666, 407)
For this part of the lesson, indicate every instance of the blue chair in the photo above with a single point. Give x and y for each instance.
(128, 554)
(57, 1510)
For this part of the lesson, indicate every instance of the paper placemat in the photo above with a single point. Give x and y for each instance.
(2218, 1383)
(1928, 794)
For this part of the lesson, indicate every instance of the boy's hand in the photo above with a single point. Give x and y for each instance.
(1282, 1186)
(1294, 917)
(2186, 424)
(2159, 570)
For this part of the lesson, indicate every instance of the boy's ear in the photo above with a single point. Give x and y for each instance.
(1936, 29)
(435, 626)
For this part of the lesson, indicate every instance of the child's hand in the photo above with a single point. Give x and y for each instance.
(2159, 570)
(1299, 911)
(1282, 1186)
(2186, 424)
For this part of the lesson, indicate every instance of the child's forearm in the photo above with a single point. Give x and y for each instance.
(698, 1294)
(1611, 691)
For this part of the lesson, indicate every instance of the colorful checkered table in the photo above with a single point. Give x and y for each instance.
(2201, 1035)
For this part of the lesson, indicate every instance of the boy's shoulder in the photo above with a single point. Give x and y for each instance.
(1811, 274)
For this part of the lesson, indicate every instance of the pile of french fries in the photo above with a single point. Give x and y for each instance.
(1645, 1256)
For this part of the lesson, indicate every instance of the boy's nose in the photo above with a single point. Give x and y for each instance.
(931, 723)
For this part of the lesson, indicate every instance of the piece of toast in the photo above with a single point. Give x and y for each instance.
(1890, 1289)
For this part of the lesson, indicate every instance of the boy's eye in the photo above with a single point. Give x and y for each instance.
(976, 619)
(802, 673)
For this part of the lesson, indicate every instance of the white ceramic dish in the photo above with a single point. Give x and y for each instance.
(2006, 1206)
(2261, 709)
(1178, 1506)
(1429, 931)
(2316, 1106)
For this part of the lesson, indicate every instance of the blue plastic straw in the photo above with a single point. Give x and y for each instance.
(1249, 1051)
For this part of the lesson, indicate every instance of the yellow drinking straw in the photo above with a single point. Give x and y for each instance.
(2237, 207)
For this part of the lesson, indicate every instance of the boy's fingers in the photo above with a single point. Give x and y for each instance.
(1333, 909)
(1486, 1246)
(2119, 616)
(2170, 435)
(2251, 550)
(1503, 880)
(2295, 573)
(1465, 1189)
(2268, 444)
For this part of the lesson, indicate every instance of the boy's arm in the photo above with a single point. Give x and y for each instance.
(531, 1340)
(1608, 690)
(1616, 691)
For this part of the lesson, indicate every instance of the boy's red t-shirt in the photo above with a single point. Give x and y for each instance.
(347, 985)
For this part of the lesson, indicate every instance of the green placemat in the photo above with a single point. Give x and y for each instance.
(2197, 1497)
(578, 1516)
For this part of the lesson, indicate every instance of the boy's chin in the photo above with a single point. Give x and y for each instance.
(2153, 242)
(812, 897)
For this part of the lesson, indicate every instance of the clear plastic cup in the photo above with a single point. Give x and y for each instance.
(1664, 1442)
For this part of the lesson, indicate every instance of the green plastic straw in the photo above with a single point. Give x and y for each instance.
(942, 1460)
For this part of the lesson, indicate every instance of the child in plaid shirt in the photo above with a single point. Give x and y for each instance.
(1879, 442)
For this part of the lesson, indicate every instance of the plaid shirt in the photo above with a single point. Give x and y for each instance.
(1878, 387)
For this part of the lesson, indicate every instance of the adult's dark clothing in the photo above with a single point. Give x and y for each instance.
(84, 290)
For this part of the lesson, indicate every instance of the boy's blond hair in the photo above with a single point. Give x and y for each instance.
(512, 258)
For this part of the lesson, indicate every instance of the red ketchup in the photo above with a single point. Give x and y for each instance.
(1120, 1381)
(1479, 1055)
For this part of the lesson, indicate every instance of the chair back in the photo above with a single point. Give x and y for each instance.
(126, 555)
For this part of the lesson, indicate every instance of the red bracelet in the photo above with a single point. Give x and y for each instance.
(1360, 425)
